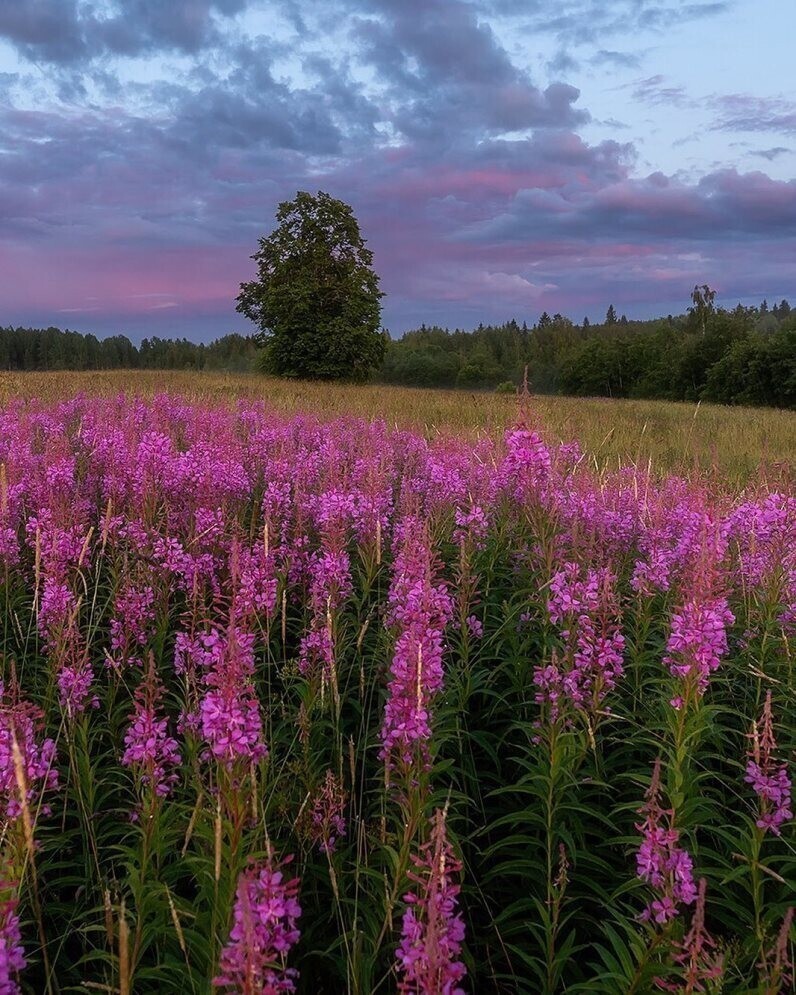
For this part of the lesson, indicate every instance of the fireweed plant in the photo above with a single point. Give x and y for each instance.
(294, 706)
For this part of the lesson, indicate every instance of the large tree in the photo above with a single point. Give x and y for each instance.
(316, 298)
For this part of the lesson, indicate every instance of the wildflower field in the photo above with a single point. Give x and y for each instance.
(730, 445)
(326, 705)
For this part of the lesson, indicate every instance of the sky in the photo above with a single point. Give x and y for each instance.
(503, 157)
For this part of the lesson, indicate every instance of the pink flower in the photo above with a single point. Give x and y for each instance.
(22, 721)
(420, 609)
(330, 585)
(584, 607)
(254, 961)
(230, 722)
(132, 624)
(12, 953)
(660, 861)
(56, 610)
(257, 584)
(776, 968)
(432, 931)
(229, 712)
(148, 747)
(326, 817)
(74, 686)
(698, 640)
(471, 526)
(768, 778)
(696, 954)
(527, 465)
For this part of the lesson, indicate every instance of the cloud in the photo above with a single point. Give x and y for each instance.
(622, 60)
(582, 22)
(46, 30)
(160, 215)
(448, 74)
(147, 25)
(744, 112)
(653, 90)
(770, 154)
(563, 62)
(723, 203)
(222, 115)
(70, 31)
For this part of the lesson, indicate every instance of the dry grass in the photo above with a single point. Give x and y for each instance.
(738, 445)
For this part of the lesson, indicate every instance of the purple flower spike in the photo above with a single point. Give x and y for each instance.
(254, 961)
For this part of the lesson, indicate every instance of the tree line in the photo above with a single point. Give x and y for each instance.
(742, 356)
(54, 349)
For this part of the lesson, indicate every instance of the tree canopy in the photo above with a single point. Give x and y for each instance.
(316, 299)
(743, 356)
(54, 349)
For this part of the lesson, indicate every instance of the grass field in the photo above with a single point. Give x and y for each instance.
(735, 445)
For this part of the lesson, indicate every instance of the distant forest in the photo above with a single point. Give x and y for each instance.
(53, 349)
(742, 356)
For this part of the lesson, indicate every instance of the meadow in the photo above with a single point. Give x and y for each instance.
(730, 444)
(328, 689)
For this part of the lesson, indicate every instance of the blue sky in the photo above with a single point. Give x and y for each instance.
(503, 157)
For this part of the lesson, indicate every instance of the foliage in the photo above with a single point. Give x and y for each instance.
(53, 349)
(316, 298)
(505, 713)
(672, 359)
(756, 371)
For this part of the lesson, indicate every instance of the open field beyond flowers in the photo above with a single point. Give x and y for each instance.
(731, 445)
(295, 700)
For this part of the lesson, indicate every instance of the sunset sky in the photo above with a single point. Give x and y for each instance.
(503, 157)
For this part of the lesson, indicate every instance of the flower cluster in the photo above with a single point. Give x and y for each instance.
(432, 931)
(698, 640)
(257, 583)
(56, 610)
(592, 664)
(776, 968)
(64, 641)
(660, 861)
(20, 724)
(330, 585)
(528, 464)
(696, 956)
(254, 961)
(12, 953)
(229, 711)
(327, 823)
(674, 533)
(131, 626)
(471, 526)
(420, 609)
(306, 575)
(148, 746)
(769, 778)
(75, 679)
